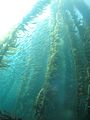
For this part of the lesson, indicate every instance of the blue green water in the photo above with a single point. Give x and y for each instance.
(45, 63)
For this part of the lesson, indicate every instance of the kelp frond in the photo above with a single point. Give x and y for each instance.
(7, 48)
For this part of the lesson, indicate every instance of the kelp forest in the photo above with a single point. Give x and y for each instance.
(45, 63)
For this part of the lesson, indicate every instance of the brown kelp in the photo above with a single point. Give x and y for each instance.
(7, 48)
(79, 34)
(47, 105)
(5, 116)
(65, 94)
(31, 83)
(9, 43)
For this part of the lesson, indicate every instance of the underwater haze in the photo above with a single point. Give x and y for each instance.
(45, 60)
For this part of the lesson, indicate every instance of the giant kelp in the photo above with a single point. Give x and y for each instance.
(7, 47)
(9, 42)
(65, 94)
(77, 32)
(81, 60)
(30, 85)
(5, 116)
(47, 104)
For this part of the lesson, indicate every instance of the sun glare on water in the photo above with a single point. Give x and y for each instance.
(12, 12)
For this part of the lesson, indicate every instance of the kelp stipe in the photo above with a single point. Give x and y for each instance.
(5, 116)
(80, 60)
(47, 104)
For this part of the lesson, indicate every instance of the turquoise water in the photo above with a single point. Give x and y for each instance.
(45, 63)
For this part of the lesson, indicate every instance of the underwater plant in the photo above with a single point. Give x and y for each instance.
(4, 116)
(47, 105)
(77, 31)
(74, 28)
(51, 76)
(7, 48)
(9, 43)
